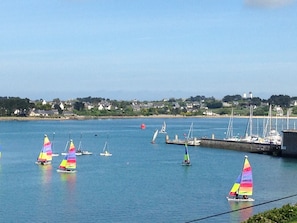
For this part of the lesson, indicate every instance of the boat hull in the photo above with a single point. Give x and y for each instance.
(186, 164)
(77, 153)
(66, 171)
(104, 154)
(43, 163)
(239, 199)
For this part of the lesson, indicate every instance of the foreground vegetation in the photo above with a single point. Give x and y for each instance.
(285, 214)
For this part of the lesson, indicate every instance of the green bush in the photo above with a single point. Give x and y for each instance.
(285, 214)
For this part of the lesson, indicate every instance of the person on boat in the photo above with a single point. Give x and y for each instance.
(186, 161)
(245, 197)
(236, 195)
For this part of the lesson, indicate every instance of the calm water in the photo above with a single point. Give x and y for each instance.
(141, 182)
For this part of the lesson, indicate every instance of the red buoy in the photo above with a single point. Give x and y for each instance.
(142, 126)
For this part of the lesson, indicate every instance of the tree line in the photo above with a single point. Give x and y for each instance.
(16, 106)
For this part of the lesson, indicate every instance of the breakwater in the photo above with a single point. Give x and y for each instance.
(252, 147)
(191, 142)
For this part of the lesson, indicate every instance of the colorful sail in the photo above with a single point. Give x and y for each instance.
(234, 189)
(45, 155)
(69, 161)
(244, 182)
(186, 160)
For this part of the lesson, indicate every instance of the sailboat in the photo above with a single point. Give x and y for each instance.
(243, 186)
(54, 154)
(68, 164)
(155, 136)
(45, 155)
(78, 153)
(163, 128)
(229, 134)
(105, 151)
(186, 160)
(80, 150)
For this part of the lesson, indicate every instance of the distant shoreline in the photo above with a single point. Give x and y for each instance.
(121, 117)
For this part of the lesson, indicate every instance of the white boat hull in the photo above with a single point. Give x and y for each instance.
(43, 164)
(55, 154)
(105, 154)
(66, 171)
(77, 153)
(86, 153)
(186, 164)
(239, 199)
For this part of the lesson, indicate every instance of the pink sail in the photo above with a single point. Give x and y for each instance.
(45, 155)
(243, 185)
(68, 164)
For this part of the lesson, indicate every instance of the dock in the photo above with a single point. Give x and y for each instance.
(176, 141)
(251, 147)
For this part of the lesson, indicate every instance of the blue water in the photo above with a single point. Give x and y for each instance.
(141, 182)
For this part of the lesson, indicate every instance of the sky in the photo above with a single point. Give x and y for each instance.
(147, 49)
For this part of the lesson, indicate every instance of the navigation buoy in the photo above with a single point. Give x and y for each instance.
(142, 126)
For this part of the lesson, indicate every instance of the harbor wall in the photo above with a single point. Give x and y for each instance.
(252, 147)
(190, 142)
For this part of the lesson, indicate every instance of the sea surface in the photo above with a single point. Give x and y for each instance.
(141, 181)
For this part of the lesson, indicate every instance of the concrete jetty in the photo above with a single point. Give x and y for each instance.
(191, 142)
(252, 147)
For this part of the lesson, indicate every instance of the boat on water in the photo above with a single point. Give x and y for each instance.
(155, 136)
(243, 186)
(68, 164)
(105, 151)
(85, 152)
(80, 150)
(190, 139)
(163, 128)
(77, 152)
(45, 155)
(54, 154)
(229, 134)
(271, 135)
(186, 160)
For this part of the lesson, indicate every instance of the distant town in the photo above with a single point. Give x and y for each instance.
(283, 105)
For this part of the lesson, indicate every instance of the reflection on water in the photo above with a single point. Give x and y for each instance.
(46, 173)
(69, 179)
(69, 194)
(245, 210)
